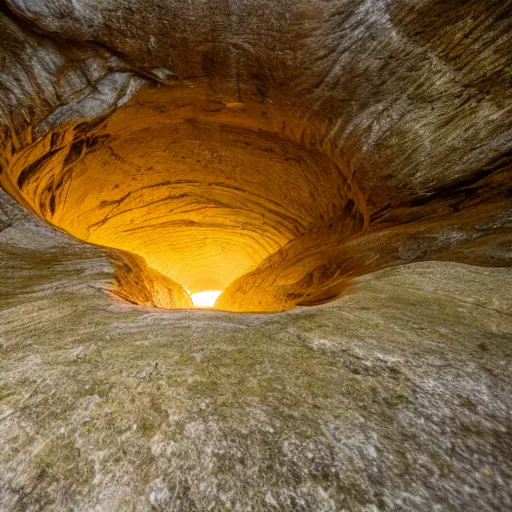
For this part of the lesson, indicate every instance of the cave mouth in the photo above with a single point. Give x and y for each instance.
(192, 193)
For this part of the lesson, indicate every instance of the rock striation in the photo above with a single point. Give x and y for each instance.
(351, 155)
(274, 152)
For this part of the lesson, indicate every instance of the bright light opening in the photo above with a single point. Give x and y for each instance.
(205, 299)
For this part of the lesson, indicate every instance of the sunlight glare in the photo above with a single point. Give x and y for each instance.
(205, 299)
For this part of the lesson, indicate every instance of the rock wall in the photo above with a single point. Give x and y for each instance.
(349, 155)
(271, 151)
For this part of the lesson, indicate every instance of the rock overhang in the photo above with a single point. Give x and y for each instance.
(273, 164)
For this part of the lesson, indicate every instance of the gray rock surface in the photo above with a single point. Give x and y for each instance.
(395, 397)
(357, 150)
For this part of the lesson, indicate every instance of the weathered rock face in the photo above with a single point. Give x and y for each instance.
(271, 151)
(395, 397)
(285, 152)
(202, 190)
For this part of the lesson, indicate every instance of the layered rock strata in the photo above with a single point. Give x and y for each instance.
(274, 152)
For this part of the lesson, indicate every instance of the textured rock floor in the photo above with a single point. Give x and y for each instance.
(397, 396)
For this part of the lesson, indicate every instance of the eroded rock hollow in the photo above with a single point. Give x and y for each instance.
(274, 167)
(203, 191)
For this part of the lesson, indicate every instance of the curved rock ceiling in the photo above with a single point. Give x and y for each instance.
(270, 151)
(202, 190)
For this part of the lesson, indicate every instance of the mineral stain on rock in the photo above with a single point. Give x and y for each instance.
(340, 170)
